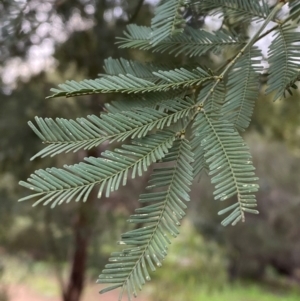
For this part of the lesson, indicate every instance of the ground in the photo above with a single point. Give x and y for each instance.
(20, 292)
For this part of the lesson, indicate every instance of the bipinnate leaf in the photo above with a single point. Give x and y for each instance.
(55, 185)
(163, 208)
(230, 164)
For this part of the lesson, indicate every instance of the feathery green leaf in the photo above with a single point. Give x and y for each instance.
(242, 10)
(294, 6)
(216, 97)
(138, 69)
(161, 216)
(165, 80)
(229, 163)
(214, 103)
(242, 89)
(192, 42)
(133, 101)
(167, 20)
(147, 100)
(69, 135)
(284, 59)
(56, 186)
(135, 36)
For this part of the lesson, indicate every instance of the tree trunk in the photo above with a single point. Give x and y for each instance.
(83, 227)
(74, 288)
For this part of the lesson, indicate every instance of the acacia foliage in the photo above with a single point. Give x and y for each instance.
(166, 104)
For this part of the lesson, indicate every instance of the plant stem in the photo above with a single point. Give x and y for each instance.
(240, 53)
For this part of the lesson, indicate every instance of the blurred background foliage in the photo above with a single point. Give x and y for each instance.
(58, 253)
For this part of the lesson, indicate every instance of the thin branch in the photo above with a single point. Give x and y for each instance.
(136, 12)
(230, 63)
(257, 39)
(279, 23)
(248, 45)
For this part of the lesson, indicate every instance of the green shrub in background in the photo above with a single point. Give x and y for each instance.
(198, 263)
(183, 119)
